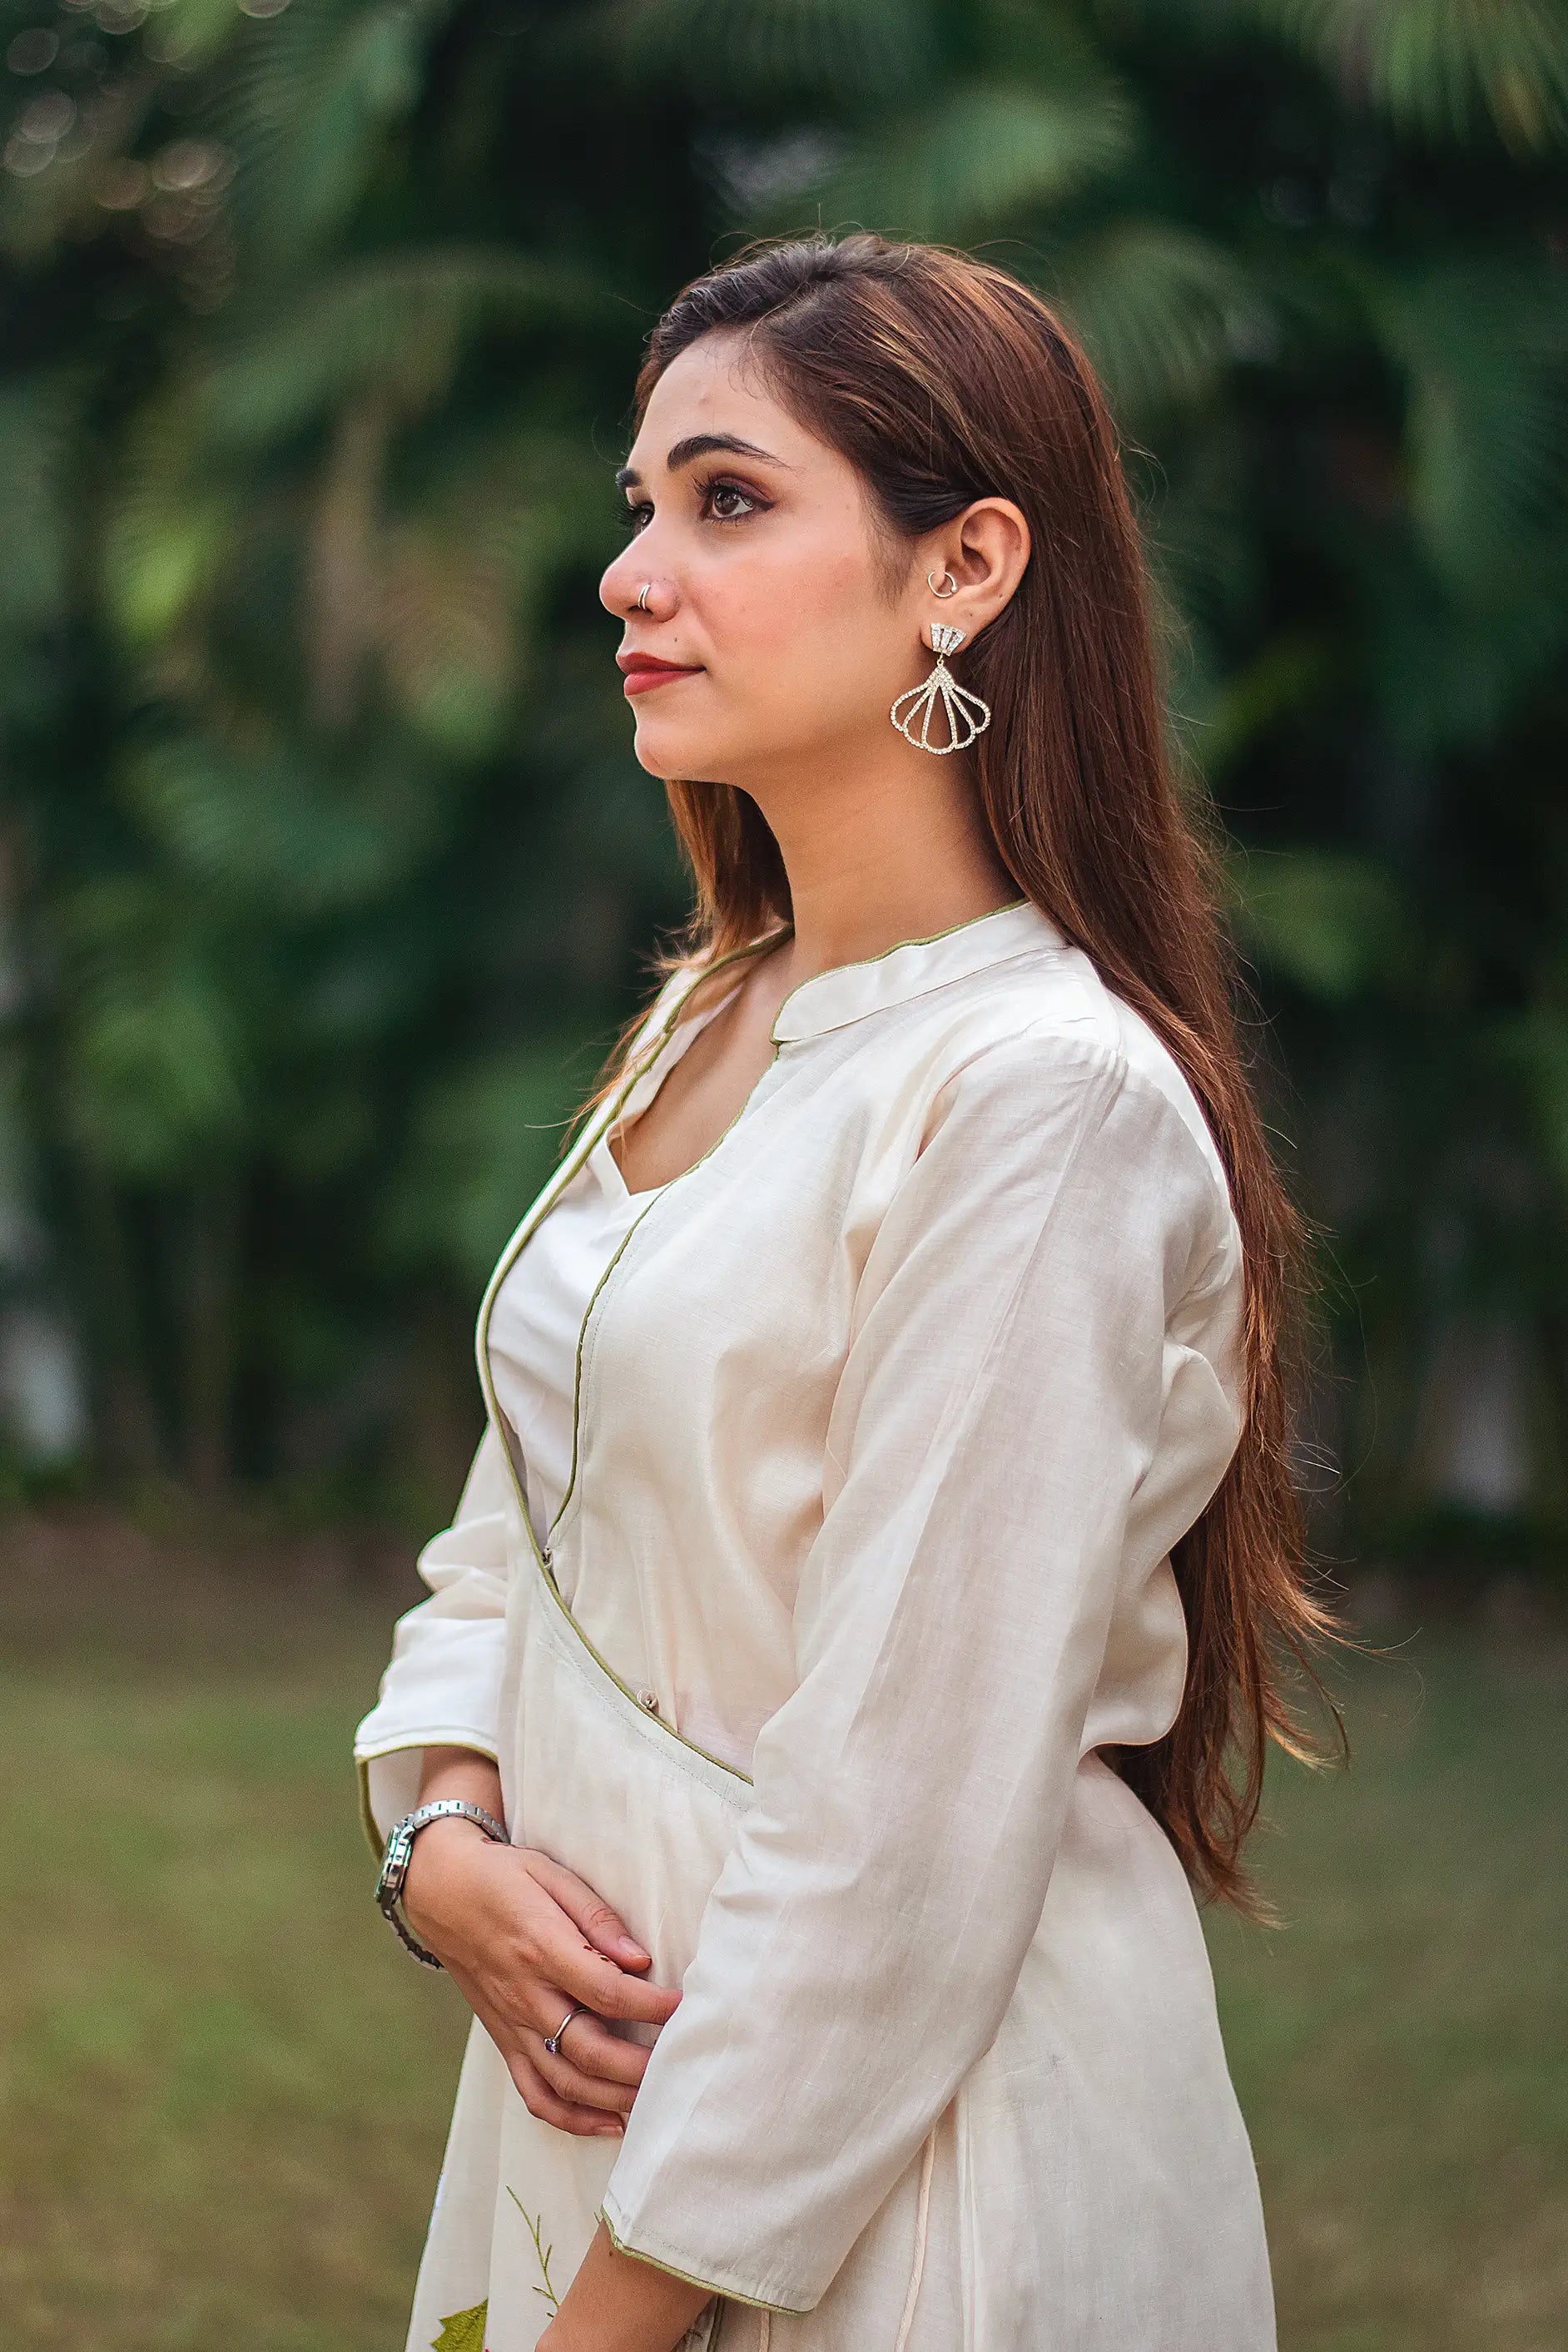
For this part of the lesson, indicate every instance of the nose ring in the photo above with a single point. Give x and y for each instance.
(642, 595)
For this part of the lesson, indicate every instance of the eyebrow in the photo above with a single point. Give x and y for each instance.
(699, 444)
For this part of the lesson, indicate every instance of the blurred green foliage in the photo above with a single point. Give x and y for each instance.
(327, 871)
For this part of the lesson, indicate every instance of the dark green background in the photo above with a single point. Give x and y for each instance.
(327, 871)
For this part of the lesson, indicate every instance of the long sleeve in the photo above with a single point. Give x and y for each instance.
(1020, 1430)
(442, 1686)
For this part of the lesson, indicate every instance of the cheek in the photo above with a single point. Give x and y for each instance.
(783, 613)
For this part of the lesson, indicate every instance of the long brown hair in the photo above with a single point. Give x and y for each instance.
(943, 380)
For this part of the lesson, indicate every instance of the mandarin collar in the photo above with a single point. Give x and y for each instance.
(847, 992)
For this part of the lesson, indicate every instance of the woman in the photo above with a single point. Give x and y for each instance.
(883, 1518)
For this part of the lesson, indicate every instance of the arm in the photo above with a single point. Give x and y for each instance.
(1001, 1406)
(442, 1687)
(617, 2303)
(520, 1936)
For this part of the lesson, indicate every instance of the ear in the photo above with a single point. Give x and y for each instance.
(986, 550)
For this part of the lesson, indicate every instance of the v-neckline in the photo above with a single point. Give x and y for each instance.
(602, 1156)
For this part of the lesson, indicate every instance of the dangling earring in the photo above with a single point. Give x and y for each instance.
(966, 716)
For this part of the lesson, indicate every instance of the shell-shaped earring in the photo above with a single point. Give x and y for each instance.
(965, 714)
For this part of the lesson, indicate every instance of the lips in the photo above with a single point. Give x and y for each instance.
(640, 672)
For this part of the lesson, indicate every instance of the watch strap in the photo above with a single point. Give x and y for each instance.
(399, 1848)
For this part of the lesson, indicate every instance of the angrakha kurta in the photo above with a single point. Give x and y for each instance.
(888, 1412)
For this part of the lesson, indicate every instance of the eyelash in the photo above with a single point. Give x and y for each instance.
(716, 484)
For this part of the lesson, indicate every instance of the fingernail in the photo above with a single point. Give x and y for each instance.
(636, 1950)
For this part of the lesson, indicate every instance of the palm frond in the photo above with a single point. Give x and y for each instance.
(154, 1067)
(315, 836)
(37, 424)
(1162, 310)
(845, 51)
(981, 156)
(1441, 68)
(1446, 674)
(167, 523)
(1332, 923)
(399, 319)
(309, 95)
(1484, 348)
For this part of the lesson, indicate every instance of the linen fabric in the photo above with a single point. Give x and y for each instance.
(539, 1313)
(541, 1308)
(888, 1413)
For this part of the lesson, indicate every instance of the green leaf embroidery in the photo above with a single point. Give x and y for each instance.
(463, 2331)
(544, 2252)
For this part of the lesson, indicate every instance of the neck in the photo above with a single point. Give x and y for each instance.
(881, 843)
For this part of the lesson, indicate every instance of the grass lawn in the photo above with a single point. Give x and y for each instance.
(225, 2089)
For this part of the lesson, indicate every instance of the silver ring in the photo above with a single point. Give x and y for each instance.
(951, 590)
(553, 2040)
(642, 595)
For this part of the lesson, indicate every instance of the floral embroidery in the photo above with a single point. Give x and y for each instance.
(463, 2331)
(544, 2252)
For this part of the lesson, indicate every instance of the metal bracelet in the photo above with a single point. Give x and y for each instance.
(400, 1846)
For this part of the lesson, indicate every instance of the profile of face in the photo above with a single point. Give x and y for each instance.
(771, 634)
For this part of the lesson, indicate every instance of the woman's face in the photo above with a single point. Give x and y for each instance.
(769, 606)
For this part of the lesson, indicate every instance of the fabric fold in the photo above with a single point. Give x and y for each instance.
(999, 1407)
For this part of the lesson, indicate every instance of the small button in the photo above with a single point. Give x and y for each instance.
(646, 1698)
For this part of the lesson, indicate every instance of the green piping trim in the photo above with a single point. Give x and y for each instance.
(573, 1160)
(731, 2294)
(588, 1311)
(926, 939)
(577, 1375)
(367, 1818)
(438, 1738)
(553, 1590)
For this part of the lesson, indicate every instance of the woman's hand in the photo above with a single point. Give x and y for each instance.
(523, 1937)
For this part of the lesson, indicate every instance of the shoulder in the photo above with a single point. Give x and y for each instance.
(1043, 1060)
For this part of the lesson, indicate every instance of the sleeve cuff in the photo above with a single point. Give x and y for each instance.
(622, 2239)
(389, 1776)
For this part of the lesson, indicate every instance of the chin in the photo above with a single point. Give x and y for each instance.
(668, 751)
(657, 763)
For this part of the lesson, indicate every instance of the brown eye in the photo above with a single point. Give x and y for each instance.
(728, 502)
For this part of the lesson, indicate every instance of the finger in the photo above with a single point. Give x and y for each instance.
(566, 2116)
(585, 1975)
(522, 2015)
(603, 1927)
(593, 2049)
(574, 2083)
(541, 1944)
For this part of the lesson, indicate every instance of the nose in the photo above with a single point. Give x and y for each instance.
(624, 579)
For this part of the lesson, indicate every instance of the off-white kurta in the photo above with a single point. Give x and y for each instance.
(888, 1411)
